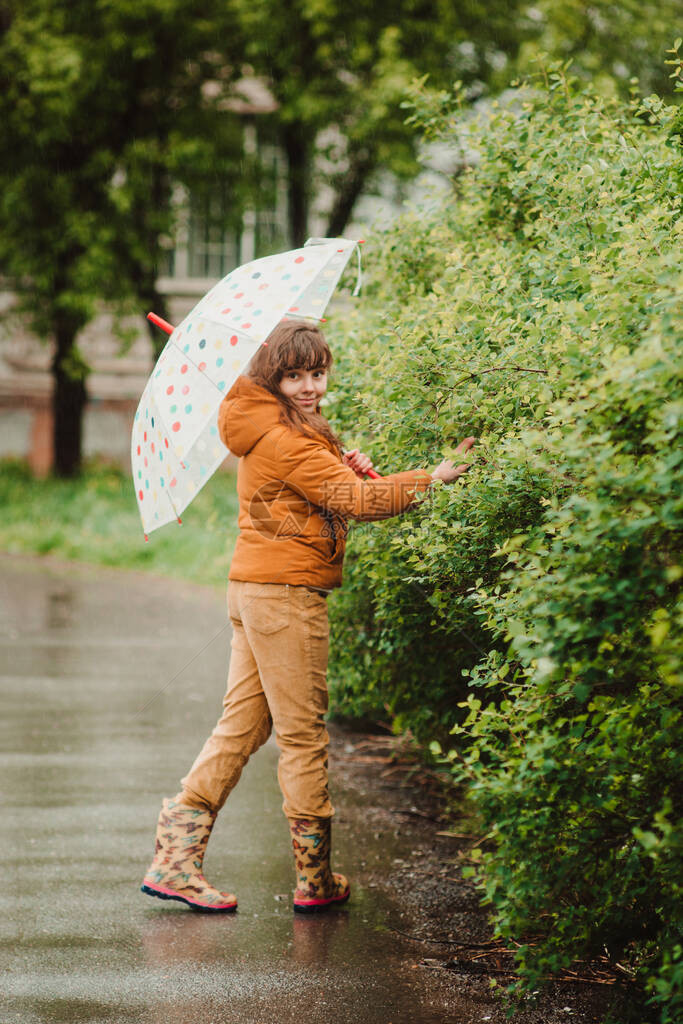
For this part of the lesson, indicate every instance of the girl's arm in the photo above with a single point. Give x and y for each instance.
(314, 472)
(446, 471)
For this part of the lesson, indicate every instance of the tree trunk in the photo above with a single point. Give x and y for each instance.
(68, 402)
(155, 303)
(297, 149)
(147, 274)
(349, 188)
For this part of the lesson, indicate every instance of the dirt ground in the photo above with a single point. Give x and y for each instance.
(438, 909)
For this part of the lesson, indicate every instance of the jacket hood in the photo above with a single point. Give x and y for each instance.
(246, 413)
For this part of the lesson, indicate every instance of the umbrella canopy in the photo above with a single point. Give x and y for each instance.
(175, 446)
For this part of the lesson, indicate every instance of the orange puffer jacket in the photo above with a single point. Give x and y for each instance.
(296, 494)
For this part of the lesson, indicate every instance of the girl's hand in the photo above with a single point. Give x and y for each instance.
(358, 462)
(447, 470)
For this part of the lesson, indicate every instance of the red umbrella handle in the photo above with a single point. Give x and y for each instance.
(370, 473)
(159, 321)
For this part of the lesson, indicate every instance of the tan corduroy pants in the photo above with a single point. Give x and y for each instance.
(277, 677)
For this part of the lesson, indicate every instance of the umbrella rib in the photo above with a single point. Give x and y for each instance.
(187, 664)
(168, 493)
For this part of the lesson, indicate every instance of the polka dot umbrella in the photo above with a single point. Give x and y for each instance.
(175, 446)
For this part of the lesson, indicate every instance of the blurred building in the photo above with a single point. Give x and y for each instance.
(202, 251)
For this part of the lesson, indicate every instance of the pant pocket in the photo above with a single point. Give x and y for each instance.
(266, 607)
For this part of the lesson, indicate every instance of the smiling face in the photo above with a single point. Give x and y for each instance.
(304, 387)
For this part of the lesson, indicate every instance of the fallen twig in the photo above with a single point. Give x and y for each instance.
(368, 759)
(456, 835)
(463, 967)
(472, 966)
(400, 767)
(451, 942)
(376, 741)
(414, 813)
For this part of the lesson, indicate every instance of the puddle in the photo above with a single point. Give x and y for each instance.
(102, 719)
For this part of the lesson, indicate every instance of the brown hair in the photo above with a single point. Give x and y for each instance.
(294, 345)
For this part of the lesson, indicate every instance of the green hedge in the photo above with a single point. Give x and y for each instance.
(525, 620)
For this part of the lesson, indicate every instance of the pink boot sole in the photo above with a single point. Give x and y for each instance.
(315, 906)
(170, 894)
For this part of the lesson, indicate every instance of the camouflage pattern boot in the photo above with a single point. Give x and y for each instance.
(176, 871)
(318, 888)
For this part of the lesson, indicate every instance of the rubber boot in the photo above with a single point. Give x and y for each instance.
(318, 888)
(176, 871)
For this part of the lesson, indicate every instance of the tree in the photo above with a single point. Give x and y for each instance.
(101, 108)
(609, 42)
(339, 72)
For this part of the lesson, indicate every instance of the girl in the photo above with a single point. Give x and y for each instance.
(296, 491)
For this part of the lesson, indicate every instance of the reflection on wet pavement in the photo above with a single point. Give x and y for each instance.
(110, 683)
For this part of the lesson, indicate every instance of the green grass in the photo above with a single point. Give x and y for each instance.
(95, 519)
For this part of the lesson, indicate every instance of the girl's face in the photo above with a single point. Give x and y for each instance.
(304, 387)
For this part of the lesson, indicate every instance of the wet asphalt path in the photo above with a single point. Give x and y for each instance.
(110, 682)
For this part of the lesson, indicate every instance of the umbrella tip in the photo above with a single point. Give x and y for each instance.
(160, 322)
